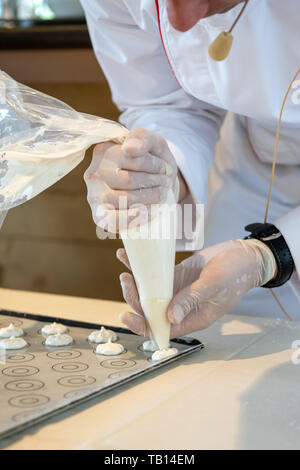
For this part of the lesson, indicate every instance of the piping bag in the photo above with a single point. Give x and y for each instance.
(150, 248)
(42, 139)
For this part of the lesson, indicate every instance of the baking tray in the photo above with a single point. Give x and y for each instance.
(40, 381)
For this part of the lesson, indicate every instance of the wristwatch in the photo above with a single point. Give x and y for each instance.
(270, 235)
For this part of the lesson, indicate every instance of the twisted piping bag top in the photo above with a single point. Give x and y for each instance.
(41, 140)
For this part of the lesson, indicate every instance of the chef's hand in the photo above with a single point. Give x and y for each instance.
(141, 171)
(206, 285)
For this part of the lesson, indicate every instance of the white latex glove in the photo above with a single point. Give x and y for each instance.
(206, 285)
(140, 172)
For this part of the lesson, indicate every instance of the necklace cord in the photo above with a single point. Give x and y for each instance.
(276, 144)
(273, 176)
(240, 14)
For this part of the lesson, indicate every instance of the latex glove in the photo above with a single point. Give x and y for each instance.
(122, 177)
(206, 285)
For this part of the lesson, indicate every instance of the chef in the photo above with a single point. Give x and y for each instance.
(209, 127)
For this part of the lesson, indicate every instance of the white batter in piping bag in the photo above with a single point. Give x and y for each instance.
(150, 248)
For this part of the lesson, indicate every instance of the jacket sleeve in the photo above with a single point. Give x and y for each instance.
(128, 47)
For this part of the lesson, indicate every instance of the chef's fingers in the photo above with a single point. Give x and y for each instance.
(138, 324)
(140, 141)
(193, 322)
(128, 180)
(122, 256)
(146, 162)
(148, 196)
(130, 292)
(107, 154)
(135, 323)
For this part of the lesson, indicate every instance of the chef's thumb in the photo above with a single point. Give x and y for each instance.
(139, 142)
(136, 143)
(122, 256)
(185, 301)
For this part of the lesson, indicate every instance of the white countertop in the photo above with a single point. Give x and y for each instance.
(241, 392)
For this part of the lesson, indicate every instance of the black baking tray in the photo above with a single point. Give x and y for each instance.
(134, 359)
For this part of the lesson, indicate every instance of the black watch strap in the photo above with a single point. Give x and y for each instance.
(270, 235)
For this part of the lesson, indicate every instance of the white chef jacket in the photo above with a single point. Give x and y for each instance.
(164, 80)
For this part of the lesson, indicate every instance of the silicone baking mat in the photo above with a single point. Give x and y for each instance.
(39, 381)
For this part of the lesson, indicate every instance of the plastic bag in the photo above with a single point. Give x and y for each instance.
(41, 140)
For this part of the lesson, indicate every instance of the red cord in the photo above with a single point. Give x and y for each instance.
(162, 41)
